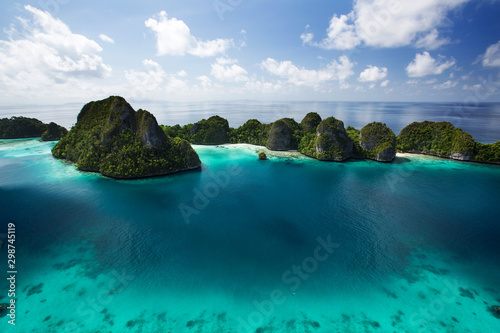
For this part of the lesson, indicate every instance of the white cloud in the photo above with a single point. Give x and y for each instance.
(335, 71)
(373, 73)
(492, 56)
(106, 39)
(262, 86)
(388, 23)
(182, 73)
(150, 80)
(384, 83)
(205, 81)
(306, 37)
(154, 82)
(431, 41)
(45, 53)
(226, 70)
(473, 88)
(446, 85)
(424, 65)
(412, 82)
(341, 34)
(174, 38)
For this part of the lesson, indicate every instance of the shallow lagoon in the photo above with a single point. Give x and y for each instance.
(234, 247)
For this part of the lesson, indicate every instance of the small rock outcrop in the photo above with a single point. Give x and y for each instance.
(116, 141)
(378, 142)
(284, 135)
(262, 156)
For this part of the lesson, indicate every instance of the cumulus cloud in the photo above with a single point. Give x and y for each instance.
(335, 71)
(384, 83)
(446, 85)
(388, 23)
(373, 73)
(106, 39)
(205, 81)
(173, 37)
(492, 56)
(151, 79)
(424, 65)
(43, 52)
(226, 70)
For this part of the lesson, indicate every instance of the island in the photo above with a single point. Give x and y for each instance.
(23, 127)
(442, 139)
(113, 139)
(328, 139)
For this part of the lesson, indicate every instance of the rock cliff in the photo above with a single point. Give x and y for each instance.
(116, 141)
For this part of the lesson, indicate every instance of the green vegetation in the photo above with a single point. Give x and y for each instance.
(285, 134)
(332, 141)
(310, 122)
(353, 134)
(252, 132)
(329, 143)
(262, 156)
(177, 131)
(377, 141)
(21, 127)
(111, 138)
(487, 152)
(54, 132)
(212, 131)
(328, 140)
(436, 138)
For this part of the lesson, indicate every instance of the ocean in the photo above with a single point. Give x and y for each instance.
(285, 245)
(481, 120)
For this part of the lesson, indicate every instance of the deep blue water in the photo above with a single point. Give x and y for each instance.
(239, 246)
(482, 121)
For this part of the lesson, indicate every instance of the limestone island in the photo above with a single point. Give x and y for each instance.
(113, 139)
(328, 139)
(22, 127)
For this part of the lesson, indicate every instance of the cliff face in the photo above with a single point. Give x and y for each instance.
(332, 141)
(284, 135)
(212, 131)
(436, 138)
(378, 142)
(114, 140)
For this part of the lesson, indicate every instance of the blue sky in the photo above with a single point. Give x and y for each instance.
(58, 51)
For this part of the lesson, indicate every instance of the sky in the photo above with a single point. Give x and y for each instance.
(62, 51)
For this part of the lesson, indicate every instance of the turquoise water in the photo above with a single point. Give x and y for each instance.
(285, 245)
